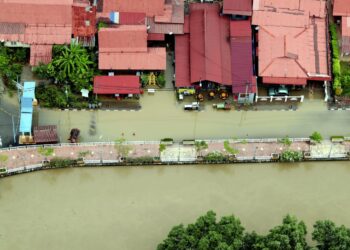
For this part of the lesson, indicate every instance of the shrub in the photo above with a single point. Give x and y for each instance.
(46, 151)
(51, 96)
(229, 149)
(291, 156)
(161, 80)
(215, 157)
(61, 162)
(41, 71)
(140, 160)
(316, 136)
(286, 141)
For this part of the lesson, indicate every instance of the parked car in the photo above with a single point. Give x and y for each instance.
(193, 106)
(280, 90)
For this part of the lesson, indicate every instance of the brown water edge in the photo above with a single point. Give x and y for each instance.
(135, 207)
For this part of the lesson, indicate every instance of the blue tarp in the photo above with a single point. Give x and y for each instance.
(25, 124)
(26, 105)
(29, 90)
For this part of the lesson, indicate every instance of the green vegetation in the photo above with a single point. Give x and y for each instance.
(11, 64)
(161, 80)
(285, 141)
(291, 156)
(228, 234)
(102, 25)
(316, 136)
(200, 146)
(46, 151)
(162, 147)
(229, 149)
(84, 153)
(215, 157)
(71, 70)
(62, 162)
(341, 70)
(140, 160)
(121, 148)
(3, 159)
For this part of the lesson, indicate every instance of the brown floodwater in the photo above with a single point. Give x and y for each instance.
(135, 207)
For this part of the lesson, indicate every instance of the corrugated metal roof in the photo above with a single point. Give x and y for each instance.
(210, 54)
(124, 38)
(182, 61)
(40, 54)
(341, 8)
(150, 7)
(155, 37)
(242, 57)
(153, 59)
(285, 80)
(84, 21)
(238, 7)
(123, 84)
(45, 134)
(164, 28)
(132, 18)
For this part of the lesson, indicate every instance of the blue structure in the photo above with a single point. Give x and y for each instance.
(25, 124)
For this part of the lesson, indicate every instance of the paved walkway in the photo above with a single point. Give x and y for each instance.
(108, 152)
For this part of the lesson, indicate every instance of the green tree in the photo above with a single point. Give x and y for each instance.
(286, 141)
(206, 234)
(200, 146)
(72, 64)
(316, 136)
(288, 236)
(330, 237)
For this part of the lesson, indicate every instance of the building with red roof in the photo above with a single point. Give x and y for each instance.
(293, 45)
(342, 8)
(215, 49)
(205, 48)
(120, 85)
(237, 7)
(125, 48)
(42, 23)
(161, 16)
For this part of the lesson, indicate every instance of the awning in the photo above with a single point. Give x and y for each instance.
(284, 80)
(123, 84)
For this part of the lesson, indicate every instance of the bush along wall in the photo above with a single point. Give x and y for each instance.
(335, 59)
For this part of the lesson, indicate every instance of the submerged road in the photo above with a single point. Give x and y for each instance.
(161, 116)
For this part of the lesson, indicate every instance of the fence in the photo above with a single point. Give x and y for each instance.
(279, 98)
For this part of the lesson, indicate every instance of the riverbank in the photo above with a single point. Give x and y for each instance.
(23, 159)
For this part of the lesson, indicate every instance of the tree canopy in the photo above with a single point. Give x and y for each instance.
(228, 234)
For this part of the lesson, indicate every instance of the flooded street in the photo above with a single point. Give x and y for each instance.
(134, 208)
(162, 116)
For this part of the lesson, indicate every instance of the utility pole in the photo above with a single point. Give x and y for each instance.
(13, 130)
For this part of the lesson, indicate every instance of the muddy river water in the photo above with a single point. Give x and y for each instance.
(135, 207)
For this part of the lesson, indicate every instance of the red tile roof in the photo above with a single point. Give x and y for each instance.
(292, 42)
(238, 7)
(123, 84)
(153, 59)
(341, 8)
(150, 7)
(123, 38)
(210, 54)
(182, 61)
(45, 134)
(242, 57)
